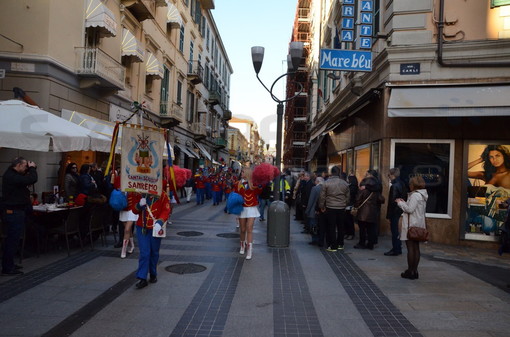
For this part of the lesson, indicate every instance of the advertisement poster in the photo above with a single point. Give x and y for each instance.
(142, 160)
(488, 190)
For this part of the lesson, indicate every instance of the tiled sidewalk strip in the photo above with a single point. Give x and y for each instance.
(381, 316)
(208, 311)
(294, 313)
(31, 279)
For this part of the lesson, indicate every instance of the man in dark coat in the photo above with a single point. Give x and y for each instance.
(397, 191)
(306, 188)
(16, 203)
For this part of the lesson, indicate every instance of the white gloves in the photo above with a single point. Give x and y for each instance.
(142, 202)
(157, 227)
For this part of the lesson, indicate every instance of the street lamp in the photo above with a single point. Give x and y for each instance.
(293, 61)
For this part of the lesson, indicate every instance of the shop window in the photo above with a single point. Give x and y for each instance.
(488, 186)
(362, 161)
(433, 160)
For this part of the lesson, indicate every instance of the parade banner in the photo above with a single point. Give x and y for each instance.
(142, 159)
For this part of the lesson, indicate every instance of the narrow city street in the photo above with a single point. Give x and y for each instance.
(205, 288)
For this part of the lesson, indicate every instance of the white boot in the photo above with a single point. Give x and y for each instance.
(124, 248)
(132, 244)
(250, 249)
(243, 246)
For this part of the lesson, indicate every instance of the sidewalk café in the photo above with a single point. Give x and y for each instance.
(52, 143)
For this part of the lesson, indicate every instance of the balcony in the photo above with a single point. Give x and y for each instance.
(207, 4)
(141, 9)
(214, 97)
(220, 143)
(227, 115)
(195, 72)
(171, 114)
(198, 130)
(96, 68)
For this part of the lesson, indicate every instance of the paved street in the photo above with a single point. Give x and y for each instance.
(299, 291)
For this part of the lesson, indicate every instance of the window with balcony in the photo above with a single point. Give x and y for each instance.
(181, 40)
(165, 84)
(179, 92)
(191, 47)
(190, 103)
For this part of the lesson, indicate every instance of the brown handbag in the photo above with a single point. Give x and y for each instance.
(417, 233)
(354, 210)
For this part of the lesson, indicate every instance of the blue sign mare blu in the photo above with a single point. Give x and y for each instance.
(353, 60)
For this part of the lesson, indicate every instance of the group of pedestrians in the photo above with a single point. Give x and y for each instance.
(330, 205)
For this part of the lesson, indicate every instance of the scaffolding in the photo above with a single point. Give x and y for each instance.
(296, 110)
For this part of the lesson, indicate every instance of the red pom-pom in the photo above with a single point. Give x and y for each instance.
(263, 173)
(188, 173)
(180, 176)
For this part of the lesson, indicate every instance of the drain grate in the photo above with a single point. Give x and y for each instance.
(228, 235)
(185, 268)
(190, 233)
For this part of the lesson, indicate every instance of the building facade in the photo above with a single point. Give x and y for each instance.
(98, 57)
(432, 105)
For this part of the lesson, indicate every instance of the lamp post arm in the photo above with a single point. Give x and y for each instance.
(267, 89)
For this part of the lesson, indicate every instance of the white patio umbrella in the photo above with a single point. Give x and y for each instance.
(27, 127)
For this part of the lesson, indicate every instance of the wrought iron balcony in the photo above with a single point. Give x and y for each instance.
(96, 68)
(214, 97)
(220, 143)
(195, 72)
(227, 115)
(171, 114)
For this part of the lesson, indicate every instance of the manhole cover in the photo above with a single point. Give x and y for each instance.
(185, 268)
(228, 235)
(190, 233)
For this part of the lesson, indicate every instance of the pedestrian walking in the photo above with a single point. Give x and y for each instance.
(398, 190)
(414, 215)
(250, 212)
(264, 200)
(312, 211)
(333, 200)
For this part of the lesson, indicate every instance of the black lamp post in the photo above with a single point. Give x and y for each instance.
(293, 61)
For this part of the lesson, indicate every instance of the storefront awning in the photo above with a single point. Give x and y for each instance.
(203, 150)
(449, 101)
(28, 127)
(131, 46)
(314, 147)
(153, 66)
(318, 132)
(188, 151)
(98, 15)
(173, 17)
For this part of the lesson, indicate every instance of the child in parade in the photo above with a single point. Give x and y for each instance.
(153, 212)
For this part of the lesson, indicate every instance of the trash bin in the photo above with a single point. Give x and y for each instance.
(278, 224)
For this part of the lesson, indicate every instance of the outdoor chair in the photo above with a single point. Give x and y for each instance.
(70, 227)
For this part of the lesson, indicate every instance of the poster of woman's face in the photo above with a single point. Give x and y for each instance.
(489, 164)
(488, 172)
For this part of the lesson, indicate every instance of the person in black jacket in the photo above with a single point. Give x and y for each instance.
(398, 190)
(16, 203)
(349, 219)
(307, 183)
(264, 200)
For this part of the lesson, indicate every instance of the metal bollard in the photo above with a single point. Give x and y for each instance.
(278, 224)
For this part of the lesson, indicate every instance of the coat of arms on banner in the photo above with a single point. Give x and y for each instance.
(142, 159)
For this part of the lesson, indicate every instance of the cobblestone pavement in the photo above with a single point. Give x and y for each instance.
(205, 288)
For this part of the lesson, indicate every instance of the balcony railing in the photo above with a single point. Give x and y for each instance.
(93, 62)
(214, 97)
(227, 115)
(195, 72)
(141, 9)
(220, 142)
(172, 111)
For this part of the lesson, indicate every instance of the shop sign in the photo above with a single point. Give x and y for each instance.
(409, 69)
(119, 114)
(353, 60)
(488, 189)
(366, 17)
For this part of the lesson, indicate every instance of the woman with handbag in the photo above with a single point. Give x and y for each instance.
(368, 205)
(414, 216)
